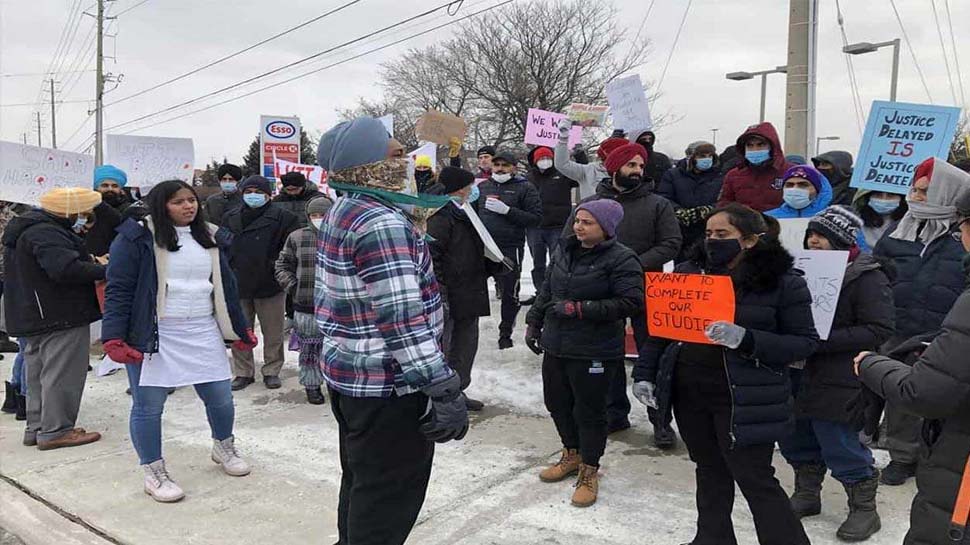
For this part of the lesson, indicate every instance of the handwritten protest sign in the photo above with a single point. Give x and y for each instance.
(587, 115)
(439, 128)
(148, 160)
(824, 271)
(793, 233)
(27, 172)
(898, 138)
(681, 306)
(542, 129)
(313, 173)
(628, 104)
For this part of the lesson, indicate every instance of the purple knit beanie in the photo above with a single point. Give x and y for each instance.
(608, 214)
(806, 172)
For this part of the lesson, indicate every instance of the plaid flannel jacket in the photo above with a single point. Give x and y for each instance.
(296, 265)
(377, 302)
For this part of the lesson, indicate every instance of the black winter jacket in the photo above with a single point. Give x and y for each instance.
(296, 205)
(49, 283)
(218, 204)
(607, 281)
(691, 190)
(936, 387)
(864, 320)
(772, 302)
(98, 239)
(555, 194)
(459, 261)
(649, 226)
(925, 286)
(508, 230)
(254, 249)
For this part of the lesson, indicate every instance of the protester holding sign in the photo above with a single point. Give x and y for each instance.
(230, 198)
(805, 192)
(928, 257)
(587, 175)
(555, 194)
(592, 286)
(296, 193)
(825, 438)
(757, 180)
(732, 398)
(423, 173)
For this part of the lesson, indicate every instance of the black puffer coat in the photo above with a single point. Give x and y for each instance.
(936, 387)
(607, 281)
(525, 210)
(459, 262)
(254, 249)
(773, 303)
(863, 321)
(926, 285)
(555, 194)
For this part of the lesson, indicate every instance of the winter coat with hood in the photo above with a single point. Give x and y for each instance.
(649, 226)
(49, 283)
(840, 177)
(773, 303)
(137, 280)
(255, 247)
(686, 188)
(864, 320)
(221, 203)
(555, 193)
(587, 175)
(607, 281)
(757, 186)
(296, 204)
(460, 265)
(525, 210)
(937, 388)
(297, 263)
(821, 202)
(657, 162)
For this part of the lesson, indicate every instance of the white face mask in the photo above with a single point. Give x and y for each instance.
(317, 222)
(501, 178)
(544, 164)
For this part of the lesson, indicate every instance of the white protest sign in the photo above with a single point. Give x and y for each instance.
(628, 104)
(313, 173)
(430, 149)
(27, 172)
(492, 250)
(793, 233)
(148, 160)
(824, 271)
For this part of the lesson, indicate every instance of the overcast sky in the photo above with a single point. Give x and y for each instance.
(158, 39)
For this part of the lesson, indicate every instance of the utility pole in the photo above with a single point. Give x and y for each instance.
(99, 90)
(25, 139)
(53, 119)
(39, 145)
(800, 102)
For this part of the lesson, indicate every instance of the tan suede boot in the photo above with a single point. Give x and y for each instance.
(567, 465)
(587, 486)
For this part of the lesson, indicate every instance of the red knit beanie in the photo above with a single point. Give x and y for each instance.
(608, 145)
(621, 155)
(542, 153)
(924, 169)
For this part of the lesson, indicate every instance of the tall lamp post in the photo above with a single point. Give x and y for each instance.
(742, 76)
(818, 141)
(714, 136)
(862, 48)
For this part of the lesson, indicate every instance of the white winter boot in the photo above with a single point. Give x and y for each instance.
(224, 452)
(159, 485)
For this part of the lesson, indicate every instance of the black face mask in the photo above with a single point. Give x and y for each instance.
(721, 251)
(645, 143)
(628, 182)
(423, 176)
(112, 198)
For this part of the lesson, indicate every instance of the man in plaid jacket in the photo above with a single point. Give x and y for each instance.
(379, 310)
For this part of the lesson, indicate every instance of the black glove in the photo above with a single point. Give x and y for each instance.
(865, 411)
(448, 417)
(532, 336)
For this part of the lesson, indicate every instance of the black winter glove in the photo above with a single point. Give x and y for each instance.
(448, 417)
(532, 336)
(865, 411)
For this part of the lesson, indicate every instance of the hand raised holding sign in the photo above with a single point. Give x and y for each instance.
(564, 130)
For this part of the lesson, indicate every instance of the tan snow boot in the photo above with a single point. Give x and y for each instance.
(567, 465)
(587, 486)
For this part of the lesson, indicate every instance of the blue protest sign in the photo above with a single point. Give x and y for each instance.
(898, 138)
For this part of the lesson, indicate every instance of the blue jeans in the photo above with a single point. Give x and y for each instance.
(833, 444)
(542, 242)
(18, 378)
(147, 403)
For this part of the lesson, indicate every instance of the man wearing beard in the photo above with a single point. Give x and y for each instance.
(658, 163)
(837, 167)
(110, 181)
(649, 228)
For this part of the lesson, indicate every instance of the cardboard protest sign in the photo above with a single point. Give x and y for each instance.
(793, 233)
(148, 160)
(681, 306)
(27, 172)
(898, 137)
(587, 115)
(542, 129)
(628, 104)
(313, 173)
(439, 128)
(492, 250)
(824, 271)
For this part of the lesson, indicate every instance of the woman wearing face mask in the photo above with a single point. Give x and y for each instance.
(805, 192)
(424, 173)
(693, 187)
(926, 251)
(732, 398)
(757, 180)
(556, 196)
(295, 273)
(935, 387)
(880, 212)
(170, 306)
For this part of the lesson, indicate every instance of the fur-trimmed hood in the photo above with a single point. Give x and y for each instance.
(762, 267)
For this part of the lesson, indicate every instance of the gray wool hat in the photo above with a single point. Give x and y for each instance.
(362, 141)
(318, 205)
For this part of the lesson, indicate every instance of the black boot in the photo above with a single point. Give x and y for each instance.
(314, 396)
(863, 519)
(807, 498)
(21, 407)
(9, 399)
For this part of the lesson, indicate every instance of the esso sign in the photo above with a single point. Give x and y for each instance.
(280, 129)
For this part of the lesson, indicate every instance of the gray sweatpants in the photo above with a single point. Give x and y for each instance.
(57, 367)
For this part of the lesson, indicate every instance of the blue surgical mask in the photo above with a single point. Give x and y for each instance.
(79, 223)
(757, 157)
(254, 200)
(883, 206)
(475, 194)
(228, 187)
(797, 197)
(704, 163)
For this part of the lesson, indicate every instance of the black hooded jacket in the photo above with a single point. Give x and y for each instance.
(296, 204)
(657, 162)
(555, 194)
(842, 194)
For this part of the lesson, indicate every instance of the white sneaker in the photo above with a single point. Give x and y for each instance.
(224, 453)
(159, 485)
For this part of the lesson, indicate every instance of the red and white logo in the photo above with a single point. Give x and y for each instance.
(280, 129)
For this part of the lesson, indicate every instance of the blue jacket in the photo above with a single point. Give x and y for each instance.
(821, 202)
(130, 306)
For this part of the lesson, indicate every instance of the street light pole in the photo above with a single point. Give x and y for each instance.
(764, 93)
(714, 136)
(818, 141)
(741, 76)
(862, 48)
(895, 75)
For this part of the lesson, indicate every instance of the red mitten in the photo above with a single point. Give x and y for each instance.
(246, 345)
(119, 352)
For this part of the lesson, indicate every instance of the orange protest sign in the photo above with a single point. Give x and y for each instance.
(681, 306)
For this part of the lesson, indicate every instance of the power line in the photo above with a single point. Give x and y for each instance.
(643, 23)
(231, 55)
(77, 130)
(912, 52)
(332, 65)
(853, 82)
(126, 10)
(673, 47)
(47, 103)
(946, 61)
(284, 67)
(956, 59)
(31, 74)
